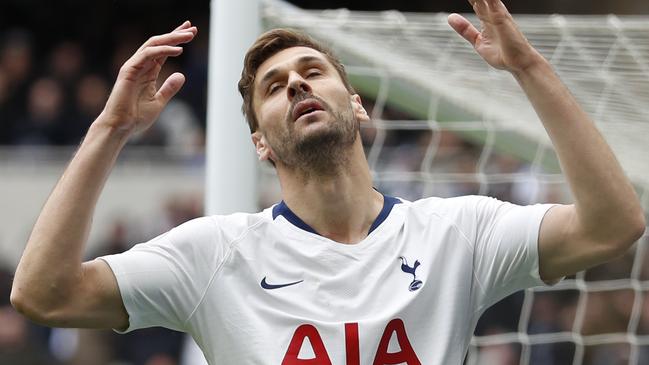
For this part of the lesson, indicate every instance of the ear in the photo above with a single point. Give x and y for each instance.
(359, 111)
(261, 146)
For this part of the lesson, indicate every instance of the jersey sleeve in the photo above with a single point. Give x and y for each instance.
(162, 281)
(505, 252)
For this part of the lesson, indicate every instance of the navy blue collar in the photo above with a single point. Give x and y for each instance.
(282, 209)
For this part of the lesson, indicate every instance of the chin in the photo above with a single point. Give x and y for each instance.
(316, 127)
(321, 136)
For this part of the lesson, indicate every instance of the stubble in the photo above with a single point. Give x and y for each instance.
(323, 152)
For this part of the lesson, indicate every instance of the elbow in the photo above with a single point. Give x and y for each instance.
(637, 227)
(38, 311)
(26, 306)
(17, 301)
(641, 226)
(22, 304)
(17, 298)
(629, 233)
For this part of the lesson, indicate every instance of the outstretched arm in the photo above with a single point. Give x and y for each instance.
(606, 218)
(51, 285)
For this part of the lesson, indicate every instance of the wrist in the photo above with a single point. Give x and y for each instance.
(537, 65)
(104, 129)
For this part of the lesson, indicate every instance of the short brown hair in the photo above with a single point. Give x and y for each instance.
(267, 45)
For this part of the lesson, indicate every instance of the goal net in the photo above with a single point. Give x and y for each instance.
(446, 124)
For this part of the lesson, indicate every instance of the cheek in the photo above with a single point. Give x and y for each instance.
(271, 112)
(340, 96)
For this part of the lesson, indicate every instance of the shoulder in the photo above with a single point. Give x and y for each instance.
(222, 228)
(202, 242)
(450, 207)
(465, 213)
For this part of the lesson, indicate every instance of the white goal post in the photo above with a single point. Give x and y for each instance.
(231, 167)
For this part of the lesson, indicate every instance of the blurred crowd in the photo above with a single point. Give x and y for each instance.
(50, 96)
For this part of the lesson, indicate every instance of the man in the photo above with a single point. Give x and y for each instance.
(336, 273)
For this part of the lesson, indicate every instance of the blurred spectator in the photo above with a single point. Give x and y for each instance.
(90, 96)
(45, 115)
(502, 164)
(501, 354)
(15, 73)
(66, 66)
(128, 38)
(504, 354)
(552, 312)
(502, 316)
(149, 346)
(66, 62)
(116, 242)
(195, 64)
(16, 348)
(16, 57)
(178, 209)
(405, 157)
(613, 354)
(454, 155)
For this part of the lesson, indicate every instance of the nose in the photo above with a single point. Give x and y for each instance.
(297, 85)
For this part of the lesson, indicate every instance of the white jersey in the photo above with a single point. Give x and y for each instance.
(266, 289)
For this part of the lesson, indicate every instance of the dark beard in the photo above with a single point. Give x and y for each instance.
(321, 153)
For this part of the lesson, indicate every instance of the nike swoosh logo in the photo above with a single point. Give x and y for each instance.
(265, 285)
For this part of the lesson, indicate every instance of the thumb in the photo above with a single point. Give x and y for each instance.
(464, 28)
(170, 87)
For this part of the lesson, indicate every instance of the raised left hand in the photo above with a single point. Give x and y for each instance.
(500, 42)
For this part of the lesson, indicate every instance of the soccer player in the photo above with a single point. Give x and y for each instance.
(336, 273)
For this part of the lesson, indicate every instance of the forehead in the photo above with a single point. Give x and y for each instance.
(288, 58)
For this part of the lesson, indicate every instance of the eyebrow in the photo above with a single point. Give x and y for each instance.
(302, 60)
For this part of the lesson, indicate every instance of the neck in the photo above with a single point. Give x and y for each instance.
(341, 205)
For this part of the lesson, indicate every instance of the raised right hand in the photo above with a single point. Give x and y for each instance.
(135, 102)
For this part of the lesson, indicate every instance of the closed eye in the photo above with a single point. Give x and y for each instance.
(313, 73)
(274, 87)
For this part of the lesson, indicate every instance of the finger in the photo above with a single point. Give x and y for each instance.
(184, 25)
(495, 6)
(157, 52)
(143, 60)
(464, 28)
(479, 6)
(172, 39)
(170, 87)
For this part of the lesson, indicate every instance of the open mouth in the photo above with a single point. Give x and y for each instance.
(306, 107)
